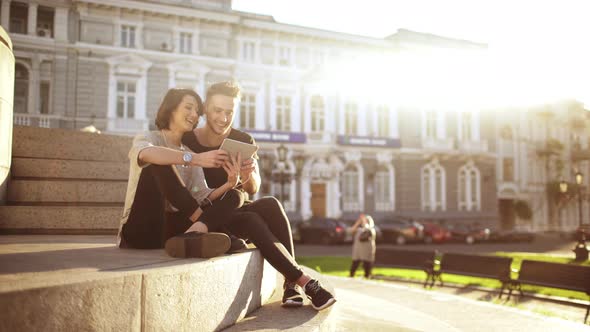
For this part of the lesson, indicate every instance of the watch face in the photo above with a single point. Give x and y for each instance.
(187, 157)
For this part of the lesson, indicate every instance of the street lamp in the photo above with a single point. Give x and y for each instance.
(580, 250)
(282, 157)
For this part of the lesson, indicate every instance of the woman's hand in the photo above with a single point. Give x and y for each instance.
(232, 168)
(210, 159)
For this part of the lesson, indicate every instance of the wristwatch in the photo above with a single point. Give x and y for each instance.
(205, 204)
(187, 157)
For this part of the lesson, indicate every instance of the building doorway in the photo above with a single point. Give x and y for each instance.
(318, 199)
(507, 213)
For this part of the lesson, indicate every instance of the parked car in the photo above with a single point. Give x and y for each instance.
(322, 231)
(434, 232)
(399, 231)
(583, 229)
(295, 230)
(468, 233)
(511, 236)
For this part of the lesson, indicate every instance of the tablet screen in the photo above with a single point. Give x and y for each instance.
(233, 147)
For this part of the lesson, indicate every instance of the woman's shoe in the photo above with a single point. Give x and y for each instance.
(197, 245)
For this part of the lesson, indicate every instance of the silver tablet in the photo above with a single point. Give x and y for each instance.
(233, 147)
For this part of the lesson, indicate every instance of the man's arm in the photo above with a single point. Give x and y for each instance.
(250, 176)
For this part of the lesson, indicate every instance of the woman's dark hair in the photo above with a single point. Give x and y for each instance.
(171, 101)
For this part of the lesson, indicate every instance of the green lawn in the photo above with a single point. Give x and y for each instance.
(339, 266)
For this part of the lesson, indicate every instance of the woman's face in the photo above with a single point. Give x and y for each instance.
(185, 116)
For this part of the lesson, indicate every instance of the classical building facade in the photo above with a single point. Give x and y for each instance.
(108, 63)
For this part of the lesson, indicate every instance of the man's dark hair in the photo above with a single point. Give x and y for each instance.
(169, 104)
(227, 88)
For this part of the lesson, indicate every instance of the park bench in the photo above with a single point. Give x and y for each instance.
(555, 275)
(475, 266)
(406, 259)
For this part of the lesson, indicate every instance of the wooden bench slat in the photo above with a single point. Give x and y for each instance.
(476, 265)
(557, 275)
(404, 258)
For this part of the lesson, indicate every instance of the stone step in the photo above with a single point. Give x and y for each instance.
(66, 191)
(52, 143)
(60, 219)
(85, 283)
(69, 169)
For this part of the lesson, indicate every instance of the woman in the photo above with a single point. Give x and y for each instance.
(165, 196)
(363, 246)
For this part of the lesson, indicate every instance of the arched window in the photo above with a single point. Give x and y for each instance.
(385, 188)
(469, 188)
(351, 189)
(317, 114)
(21, 88)
(433, 184)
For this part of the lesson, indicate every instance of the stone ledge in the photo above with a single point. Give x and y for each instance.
(69, 169)
(66, 191)
(71, 283)
(60, 219)
(33, 142)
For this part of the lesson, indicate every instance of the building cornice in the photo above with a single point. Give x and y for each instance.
(165, 9)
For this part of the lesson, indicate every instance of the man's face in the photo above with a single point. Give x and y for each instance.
(220, 113)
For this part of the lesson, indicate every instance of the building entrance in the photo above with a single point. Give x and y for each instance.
(318, 199)
(507, 213)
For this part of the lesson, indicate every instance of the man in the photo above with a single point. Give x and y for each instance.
(221, 104)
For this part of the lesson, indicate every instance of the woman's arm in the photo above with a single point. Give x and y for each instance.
(160, 155)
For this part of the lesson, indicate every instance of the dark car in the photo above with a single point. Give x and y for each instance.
(468, 233)
(511, 236)
(322, 231)
(399, 231)
(582, 232)
(434, 232)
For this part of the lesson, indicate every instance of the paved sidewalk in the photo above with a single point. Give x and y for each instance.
(377, 306)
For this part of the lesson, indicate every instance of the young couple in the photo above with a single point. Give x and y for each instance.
(185, 194)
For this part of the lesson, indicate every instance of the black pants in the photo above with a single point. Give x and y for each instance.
(367, 265)
(265, 224)
(149, 225)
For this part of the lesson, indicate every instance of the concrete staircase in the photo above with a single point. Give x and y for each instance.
(57, 273)
(65, 182)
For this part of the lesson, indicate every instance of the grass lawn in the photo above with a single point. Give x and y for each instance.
(339, 266)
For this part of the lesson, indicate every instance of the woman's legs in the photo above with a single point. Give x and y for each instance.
(368, 266)
(354, 266)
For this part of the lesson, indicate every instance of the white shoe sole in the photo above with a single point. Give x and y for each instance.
(326, 305)
(292, 304)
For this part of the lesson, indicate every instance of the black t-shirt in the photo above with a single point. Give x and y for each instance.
(215, 177)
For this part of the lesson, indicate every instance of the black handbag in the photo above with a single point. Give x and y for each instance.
(366, 235)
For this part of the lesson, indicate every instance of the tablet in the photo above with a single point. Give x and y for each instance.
(233, 147)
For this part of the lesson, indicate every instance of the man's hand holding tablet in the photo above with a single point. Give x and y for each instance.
(232, 147)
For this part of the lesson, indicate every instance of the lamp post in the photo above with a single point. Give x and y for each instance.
(581, 251)
(282, 157)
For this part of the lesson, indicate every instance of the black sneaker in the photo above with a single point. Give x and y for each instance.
(320, 298)
(236, 244)
(196, 244)
(291, 295)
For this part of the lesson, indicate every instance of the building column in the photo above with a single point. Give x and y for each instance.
(34, 82)
(60, 24)
(5, 20)
(32, 20)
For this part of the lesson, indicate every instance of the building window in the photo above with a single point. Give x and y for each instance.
(283, 110)
(44, 93)
(318, 57)
(430, 124)
(469, 188)
(383, 121)
(128, 36)
(21, 88)
(45, 16)
(433, 187)
(466, 126)
(248, 51)
(318, 116)
(248, 111)
(350, 118)
(186, 43)
(19, 17)
(384, 189)
(126, 100)
(508, 169)
(350, 189)
(285, 56)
